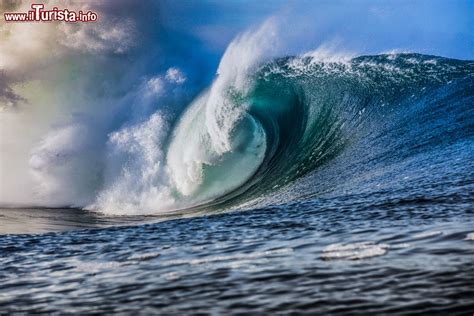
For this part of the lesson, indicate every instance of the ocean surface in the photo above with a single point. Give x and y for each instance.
(323, 187)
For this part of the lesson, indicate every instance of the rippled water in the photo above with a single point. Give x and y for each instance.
(320, 256)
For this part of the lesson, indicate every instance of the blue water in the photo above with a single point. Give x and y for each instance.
(362, 204)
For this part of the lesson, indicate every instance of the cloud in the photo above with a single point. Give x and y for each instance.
(175, 75)
(24, 42)
(110, 36)
(7, 96)
(30, 51)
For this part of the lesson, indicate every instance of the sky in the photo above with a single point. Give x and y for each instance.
(427, 26)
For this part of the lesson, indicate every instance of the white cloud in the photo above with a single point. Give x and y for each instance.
(155, 86)
(107, 36)
(23, 45)
(175, 75)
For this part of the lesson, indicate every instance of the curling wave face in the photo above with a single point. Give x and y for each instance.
(298, 114)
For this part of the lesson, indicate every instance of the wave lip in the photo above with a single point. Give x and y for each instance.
(202, 171)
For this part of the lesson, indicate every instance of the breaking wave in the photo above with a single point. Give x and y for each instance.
(261, 127)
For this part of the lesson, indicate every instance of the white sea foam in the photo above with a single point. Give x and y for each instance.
(144, 256)
(232, 258)
(135, 175)
(469, 236)
(354, 251)
(427, 234)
